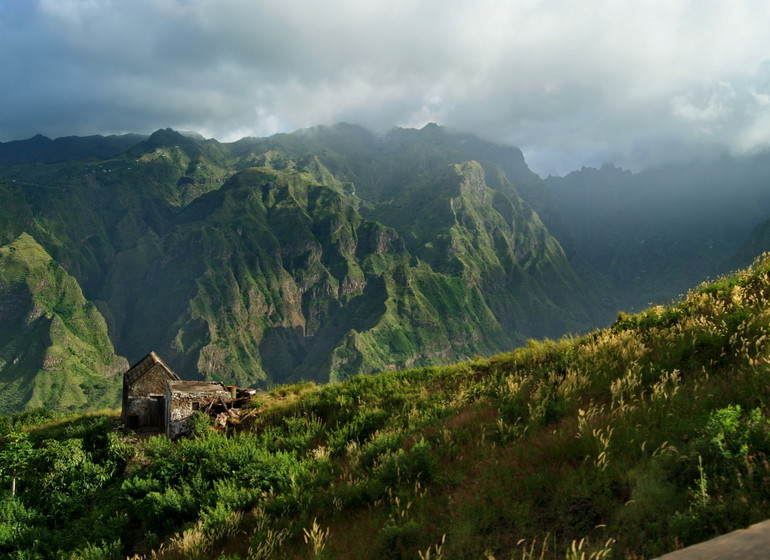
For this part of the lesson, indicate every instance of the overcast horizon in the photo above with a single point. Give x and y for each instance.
(571, 84)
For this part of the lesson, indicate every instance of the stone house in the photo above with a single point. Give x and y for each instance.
(155, 399)
(144, 393)
(185, 398)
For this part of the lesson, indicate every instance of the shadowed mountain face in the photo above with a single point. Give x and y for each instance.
(657, 233)
(40, 149)
(331, 252)
(758, 242)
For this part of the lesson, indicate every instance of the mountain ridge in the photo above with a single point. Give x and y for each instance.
(265, 274)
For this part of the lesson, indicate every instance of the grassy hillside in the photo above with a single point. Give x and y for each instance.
(624, 443)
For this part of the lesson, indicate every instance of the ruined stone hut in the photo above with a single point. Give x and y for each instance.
(184, 398)
(155, 399)
(144, 393)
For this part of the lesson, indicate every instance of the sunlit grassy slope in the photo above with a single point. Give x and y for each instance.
(54, 347)
(624, 443)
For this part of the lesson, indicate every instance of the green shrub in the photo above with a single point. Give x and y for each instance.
(398, 540)
(168, 509)
(297, 433)
(277, 471)
(66, 478)
(16, 524)
(733, 440)
(402, 466)
(234, 495)
(138, 486)
(359, 429)
(728, 475)
(200, 424)
(219, 520)
(102, 551)
(381, 443)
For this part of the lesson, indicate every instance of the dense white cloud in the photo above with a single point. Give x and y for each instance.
(571, 83)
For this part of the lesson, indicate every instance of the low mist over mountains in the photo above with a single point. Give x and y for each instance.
(332, 251)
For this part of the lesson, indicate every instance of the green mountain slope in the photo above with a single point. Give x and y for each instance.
(496, 243)
(395, 174)
(630, 441)
(333, 251)
(54, 347)
(319, 254)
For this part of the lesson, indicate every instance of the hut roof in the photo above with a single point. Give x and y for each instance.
(195, 387)
(143, 366)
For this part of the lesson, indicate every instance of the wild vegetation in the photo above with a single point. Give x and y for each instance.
(627, 442)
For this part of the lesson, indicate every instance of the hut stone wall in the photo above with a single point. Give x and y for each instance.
(144, 389)
(144, 412)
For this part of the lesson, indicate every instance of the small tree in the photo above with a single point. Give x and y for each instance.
(15, 451)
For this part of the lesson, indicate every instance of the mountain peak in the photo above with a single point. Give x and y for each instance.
(169, 138)
(166, 135)
(432, 128)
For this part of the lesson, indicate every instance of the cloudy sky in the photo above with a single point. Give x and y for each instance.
(572, 83)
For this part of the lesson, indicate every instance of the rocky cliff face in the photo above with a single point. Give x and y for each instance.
(279, 277)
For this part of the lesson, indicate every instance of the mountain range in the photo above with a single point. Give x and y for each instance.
(333, 251)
